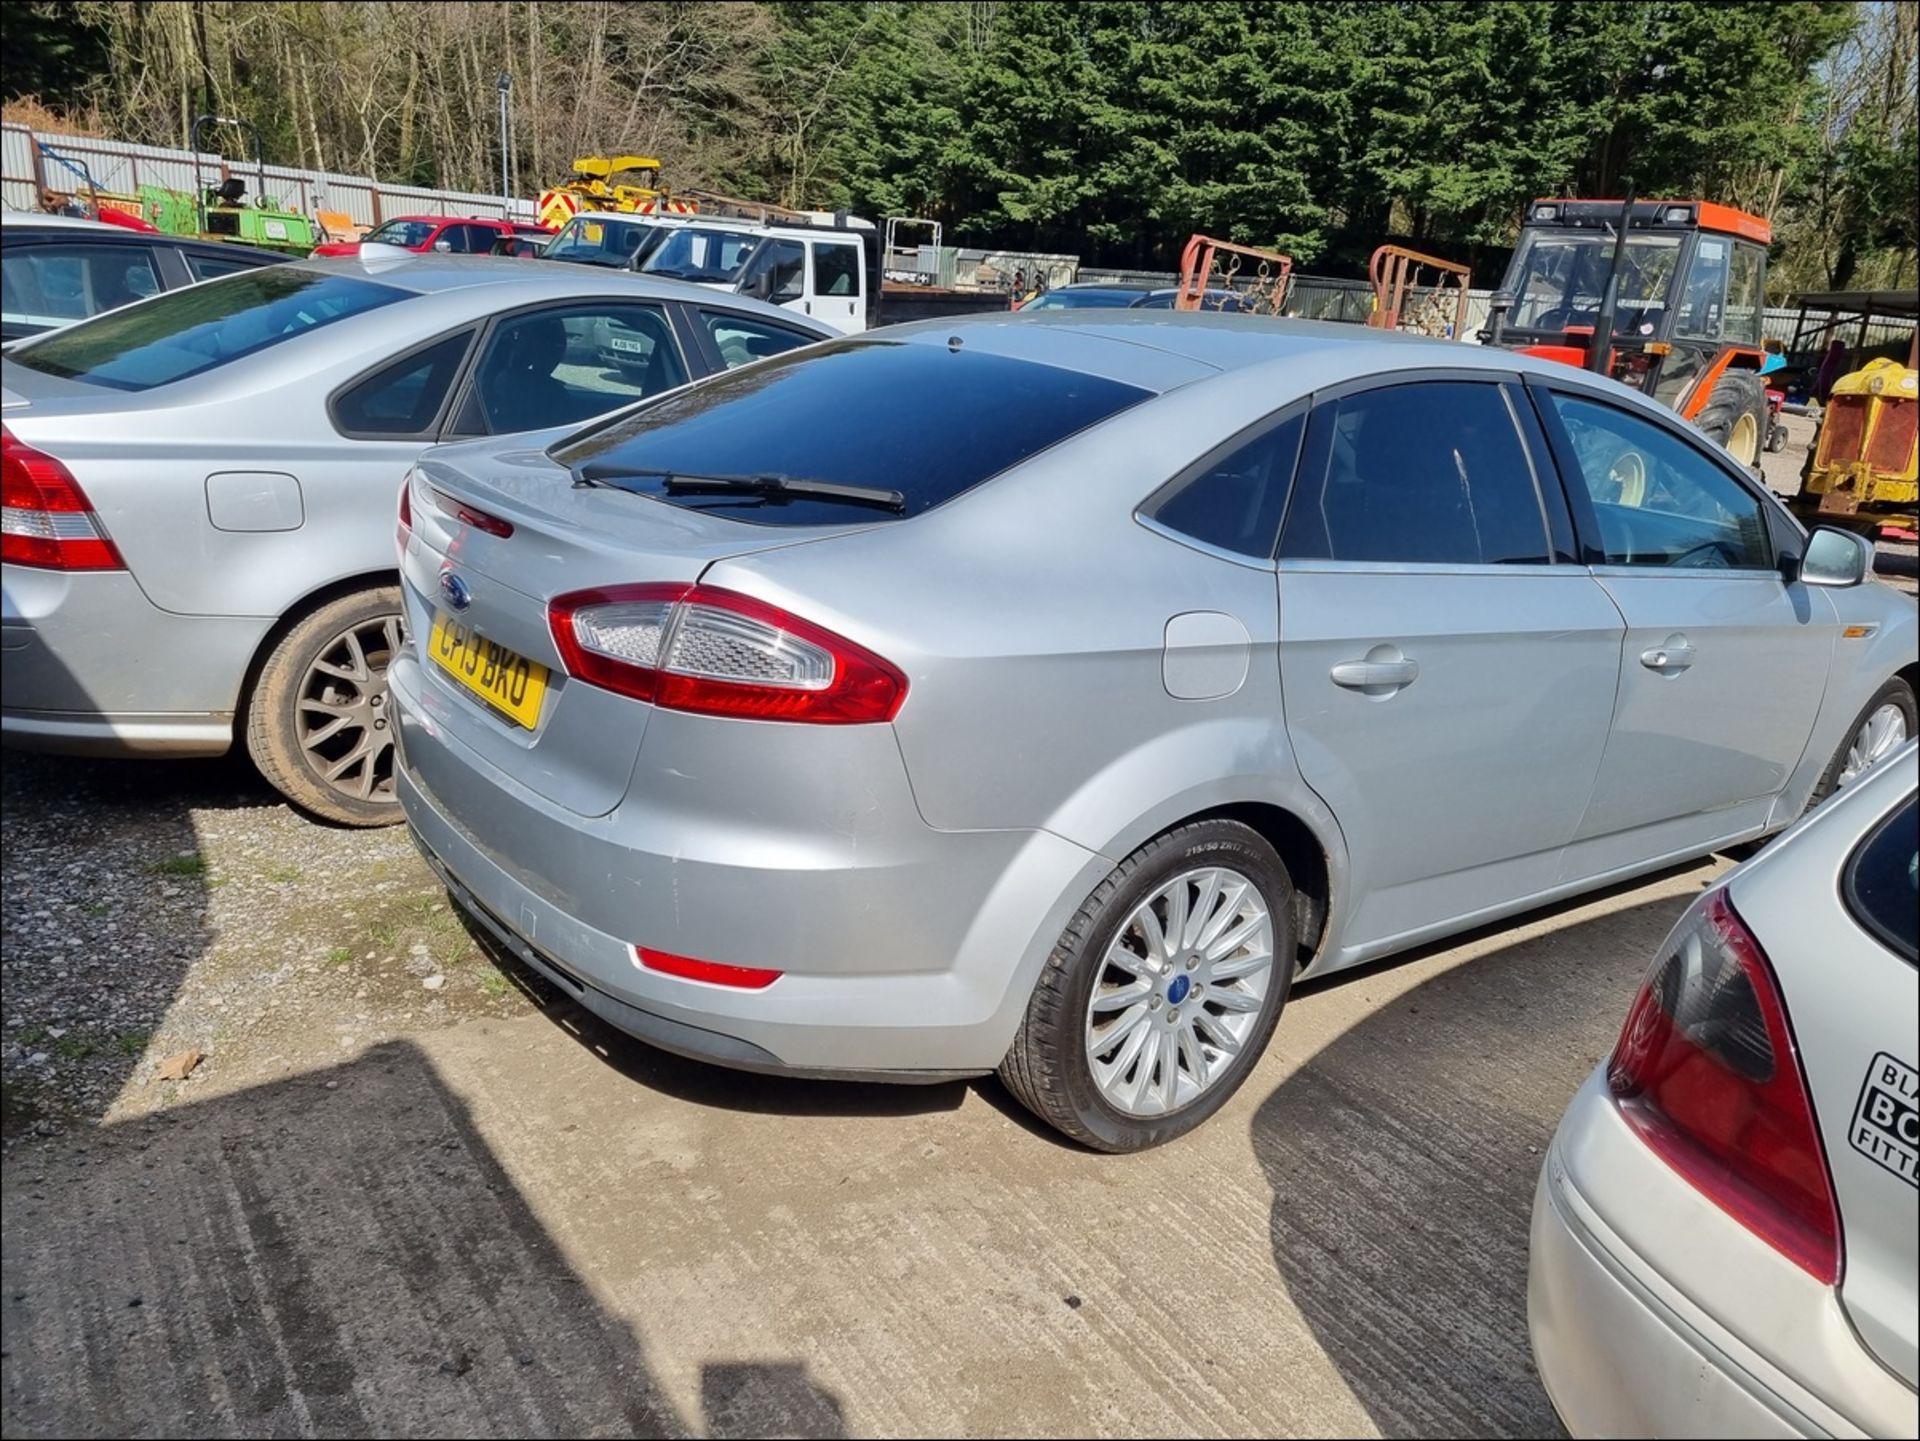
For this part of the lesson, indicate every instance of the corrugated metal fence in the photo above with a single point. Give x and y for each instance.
(31, 161)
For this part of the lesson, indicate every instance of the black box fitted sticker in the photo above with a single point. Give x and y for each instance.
(1886, 1123)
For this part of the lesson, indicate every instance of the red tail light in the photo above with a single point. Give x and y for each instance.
(46, 519)
(744, 978)
(468, 515)
(1706, 1072)
(715, 652)
(405, 531)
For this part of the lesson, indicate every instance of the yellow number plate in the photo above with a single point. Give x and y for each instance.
(510, 683)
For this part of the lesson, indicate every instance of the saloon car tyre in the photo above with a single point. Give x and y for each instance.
(1162, 992)
(1884, 723)
(319, 727)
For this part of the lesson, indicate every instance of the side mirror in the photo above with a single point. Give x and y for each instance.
(445, 247)
(758, 286)
(1836, 558)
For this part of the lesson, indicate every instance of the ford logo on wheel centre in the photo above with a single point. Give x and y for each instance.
(455, 590)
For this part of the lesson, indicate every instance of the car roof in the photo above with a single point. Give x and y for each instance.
(33, 220)
(1165, 349)
(432, 273)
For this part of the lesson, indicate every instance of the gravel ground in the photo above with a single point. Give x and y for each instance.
(151, 908)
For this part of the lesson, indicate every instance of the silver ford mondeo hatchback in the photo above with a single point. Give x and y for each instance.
(1045, 694)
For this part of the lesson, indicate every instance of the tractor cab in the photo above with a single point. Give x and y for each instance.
(1686, 316)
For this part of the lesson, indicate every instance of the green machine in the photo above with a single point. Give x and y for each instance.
(222, 212)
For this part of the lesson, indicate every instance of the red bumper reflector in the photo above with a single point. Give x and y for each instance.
(742, 978)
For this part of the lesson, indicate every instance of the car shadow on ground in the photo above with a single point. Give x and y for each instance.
(338, 1253)
(1403, 1157)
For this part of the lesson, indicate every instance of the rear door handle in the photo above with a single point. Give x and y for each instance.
(1672, 657)
(1363, 674)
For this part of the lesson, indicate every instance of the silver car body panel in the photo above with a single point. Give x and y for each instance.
(1031, 615)
(1655, 1313)
(235, 501)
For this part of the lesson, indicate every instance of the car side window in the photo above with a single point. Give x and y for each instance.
(210, 267)
(1428, 472)
(785, 261)
(1657, 501)
(561, 366)
(836, 269)
(473, 239)
(1234, 501)
(51, 284)
(404, 397)
(742, 339)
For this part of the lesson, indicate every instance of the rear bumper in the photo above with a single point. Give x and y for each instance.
(1653, 1313)
(93, 667)
(906, 953)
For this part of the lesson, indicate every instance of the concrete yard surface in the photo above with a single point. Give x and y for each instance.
(530, 1225)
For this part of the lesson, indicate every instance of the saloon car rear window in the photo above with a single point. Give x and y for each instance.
(185, 332)
(928, 421)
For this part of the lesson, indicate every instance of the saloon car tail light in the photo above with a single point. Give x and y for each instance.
(741, 978)
(472, 515)
(715, 652)
(1707, 1074)
(405, 531)
(46, 519)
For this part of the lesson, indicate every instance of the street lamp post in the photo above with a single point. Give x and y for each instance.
(506, 185)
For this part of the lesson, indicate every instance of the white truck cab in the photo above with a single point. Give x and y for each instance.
(814, 263)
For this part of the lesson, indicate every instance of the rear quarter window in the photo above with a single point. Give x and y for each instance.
(186, 332)
(925, 420)
(1882, 881)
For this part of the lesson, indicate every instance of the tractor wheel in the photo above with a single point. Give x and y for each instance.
(1735, 415)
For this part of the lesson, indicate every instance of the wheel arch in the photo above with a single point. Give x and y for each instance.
(305, 606)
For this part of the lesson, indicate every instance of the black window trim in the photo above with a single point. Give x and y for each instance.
(432, 430)
(1145, 513)
(1862, 916)
(1318, 436)
(1573, 485)
(463, 383)
(697, 339)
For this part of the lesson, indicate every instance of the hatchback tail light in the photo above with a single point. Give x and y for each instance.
(46, 519)
(714, 652)
(1707, 1074)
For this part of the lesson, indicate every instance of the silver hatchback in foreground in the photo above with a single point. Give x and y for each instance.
(1045, 693)
(1725, 1231)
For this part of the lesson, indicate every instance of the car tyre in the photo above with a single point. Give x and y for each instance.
(1735, 415)
(319, 725)
(1884, 722)
(1050, 1067)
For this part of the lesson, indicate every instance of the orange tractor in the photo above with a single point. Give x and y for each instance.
(1664, 295)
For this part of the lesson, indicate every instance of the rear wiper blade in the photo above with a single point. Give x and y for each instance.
(772, 487)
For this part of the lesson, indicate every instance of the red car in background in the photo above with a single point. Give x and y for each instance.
(462, 235)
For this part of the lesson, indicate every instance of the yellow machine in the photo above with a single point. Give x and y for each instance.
(628, 183)
(1862, 471)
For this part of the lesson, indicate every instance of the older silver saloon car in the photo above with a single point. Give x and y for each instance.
(1045, 694)
(199, 489)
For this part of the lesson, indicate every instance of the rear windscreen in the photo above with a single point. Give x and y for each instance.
(928, 421)
(1882, 884)
(185, 332)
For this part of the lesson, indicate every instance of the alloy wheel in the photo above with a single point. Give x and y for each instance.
(342, 716)
(1180, 991)
(1880, 734)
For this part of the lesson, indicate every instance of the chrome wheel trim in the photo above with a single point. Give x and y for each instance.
(342, 715)
(1880, 734)
(1179, 992)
